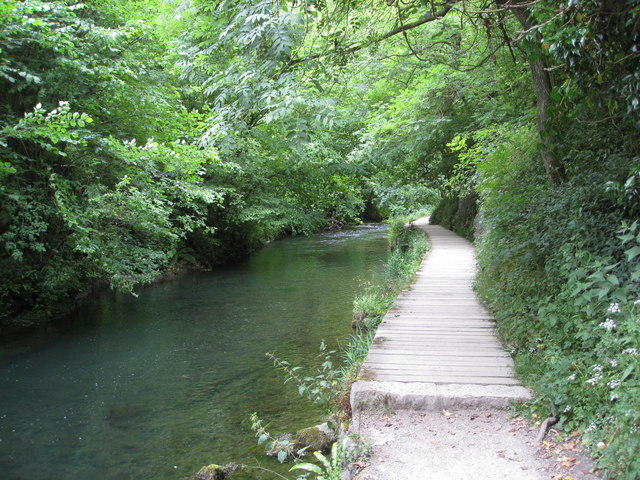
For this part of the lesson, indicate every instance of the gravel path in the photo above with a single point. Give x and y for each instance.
(465, 445)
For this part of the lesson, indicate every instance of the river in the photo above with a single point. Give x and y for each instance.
(157, 386)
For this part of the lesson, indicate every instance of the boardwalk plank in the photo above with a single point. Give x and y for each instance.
(436, 331)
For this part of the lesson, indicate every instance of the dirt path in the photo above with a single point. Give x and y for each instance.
(465, 445)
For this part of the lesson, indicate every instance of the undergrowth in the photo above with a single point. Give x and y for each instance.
(559, 267)
(408, 245)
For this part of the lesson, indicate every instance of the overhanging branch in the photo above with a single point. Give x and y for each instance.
(429, 17)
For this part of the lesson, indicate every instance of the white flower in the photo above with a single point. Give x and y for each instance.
(591, 427)
(572, 377)
(614, 397)
(613, 384)
(614, 363)
(608, 324)
(597, 367)
(614, 308)
(567, 409)
(631, 351)
(595, 379)
(637, 302)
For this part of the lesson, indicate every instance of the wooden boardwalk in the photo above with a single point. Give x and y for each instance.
(437, 332)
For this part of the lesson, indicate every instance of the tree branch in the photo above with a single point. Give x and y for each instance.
(429, 17)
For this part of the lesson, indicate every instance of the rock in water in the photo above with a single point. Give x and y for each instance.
(318, 438)
(211, 472)
(217, 472)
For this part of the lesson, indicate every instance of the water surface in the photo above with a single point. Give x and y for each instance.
(157, 386)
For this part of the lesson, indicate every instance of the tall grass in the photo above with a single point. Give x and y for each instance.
(408, 245)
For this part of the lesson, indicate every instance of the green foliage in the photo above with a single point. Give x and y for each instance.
(322, 387)
(558, 268)
(408, 246)
(599, 46)
(593, 372)
(282, 448)
(457, 214)
(329, 468)
(355, 352)
(369, 308)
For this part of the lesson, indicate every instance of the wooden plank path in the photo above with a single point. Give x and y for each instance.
(436, 346)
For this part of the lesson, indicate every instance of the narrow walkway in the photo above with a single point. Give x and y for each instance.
(430, 403)
(436, 347)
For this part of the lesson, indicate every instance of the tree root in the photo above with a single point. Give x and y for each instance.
(544, 427)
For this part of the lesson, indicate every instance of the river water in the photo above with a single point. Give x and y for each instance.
(157, 386)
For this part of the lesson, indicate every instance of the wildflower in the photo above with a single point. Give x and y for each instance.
(613, 384)
(614, 397)
(597, 368)
(637, 302)
(631, 351)
(567, 409)
(614, 363)
(572, 377)
(595, 379)
(608, 324)
(591, 427)
(614, 308)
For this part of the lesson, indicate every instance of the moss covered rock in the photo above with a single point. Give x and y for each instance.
(317, 438)
(211, 472)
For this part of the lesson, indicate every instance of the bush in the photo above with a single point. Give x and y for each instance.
(457, 214)
(559, 268)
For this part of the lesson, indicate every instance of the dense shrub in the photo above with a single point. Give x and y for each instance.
(457, 214)
(559, 266)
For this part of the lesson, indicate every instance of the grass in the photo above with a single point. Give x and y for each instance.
(408, 246)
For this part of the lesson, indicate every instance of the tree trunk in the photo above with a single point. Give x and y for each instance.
(542, 90)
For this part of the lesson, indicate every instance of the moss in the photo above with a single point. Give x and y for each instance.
(211, 472)
(318, 438)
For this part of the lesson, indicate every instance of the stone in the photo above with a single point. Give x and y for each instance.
(211, 472)
(318, 438)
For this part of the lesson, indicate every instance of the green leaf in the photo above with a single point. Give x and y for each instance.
(632, 253)
(282, 456)
(309, 467)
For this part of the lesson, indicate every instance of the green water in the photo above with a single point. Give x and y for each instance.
(157, 386)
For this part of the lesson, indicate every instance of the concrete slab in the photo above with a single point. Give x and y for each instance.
(378, 396)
